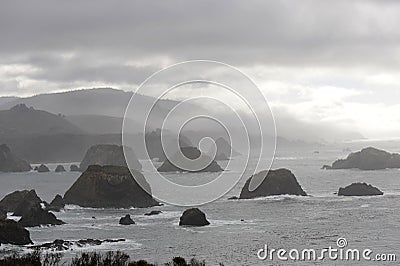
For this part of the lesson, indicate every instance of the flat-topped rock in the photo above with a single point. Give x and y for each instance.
(13, 200)
(13, 233)
(153, 213)
(109, 154)
(193, 217)
(191, 153)
(109, 187)
(276, 182)
(368, 159)
(10, 162)
(359, 189)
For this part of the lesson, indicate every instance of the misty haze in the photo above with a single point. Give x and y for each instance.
(199, 133)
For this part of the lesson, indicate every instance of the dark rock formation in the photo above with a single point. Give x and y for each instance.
(36, 168)
(153, 213)
(126, 220)
(11, 201)
(369, 159)
(276, 182)
(109, 154)
(190, 153)
(109, 187)
(326, 167)
(11, 163)
(359, 189)
(43, 169)
(60, 168)
(233, 198)
(13, 233)
(193, 217)
(63, 245)
(36, 216)
(3, 214)
(56, 204)
(74, 168)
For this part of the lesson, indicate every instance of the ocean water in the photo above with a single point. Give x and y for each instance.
(239, 228)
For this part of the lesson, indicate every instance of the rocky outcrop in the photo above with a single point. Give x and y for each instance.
(56, 204)
(109, 187)
(359, 189)
(74, 168)
(13, 233)
(60, 168)
(368, 159)
(276, 182)
(109, 154)
(193, 217)
(36, 216)
(11, 163)
(63, 245)
(43, 169)
(191, 153)
(153, 213)
(126, 220)
(13, 200)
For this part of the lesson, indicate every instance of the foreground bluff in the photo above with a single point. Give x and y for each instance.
(191, 153)
(276, 182)
(109, 187)
(368, 159)
(109, 154)
(11, 163)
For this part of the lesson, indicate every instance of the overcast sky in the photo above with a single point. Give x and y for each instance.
(328, 62)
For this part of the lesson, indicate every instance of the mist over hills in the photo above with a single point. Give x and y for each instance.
(62, 126)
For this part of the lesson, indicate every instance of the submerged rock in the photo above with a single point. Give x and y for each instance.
(109, 154)
(368, 159)
(153, 213)
(359, 189)
(74, 168)
(109, 187)
(13, 200)
(276, 182)
(10, 162)
(60, 168)
(13, 233)
(193, 217)
(126, 220)
(56, 204)
(63, 245)
(43, 169)
(191, 153)
(36, 216)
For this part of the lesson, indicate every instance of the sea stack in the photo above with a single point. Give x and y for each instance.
(359, 189)
(274, 182)
(193, 217)
(368, 159)
(190, 153)
(109, 187)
